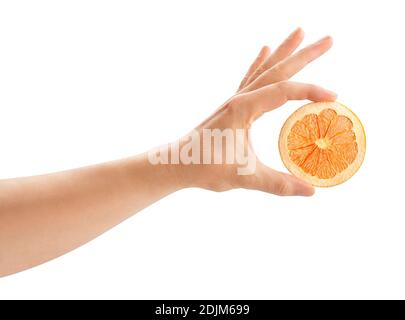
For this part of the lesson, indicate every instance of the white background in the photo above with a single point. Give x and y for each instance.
(83, 82)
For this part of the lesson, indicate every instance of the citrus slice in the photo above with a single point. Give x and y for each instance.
(323, 143)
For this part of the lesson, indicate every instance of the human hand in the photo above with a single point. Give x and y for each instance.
(43, 217)
(264, 88)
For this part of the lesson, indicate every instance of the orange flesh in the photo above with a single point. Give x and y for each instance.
(323, 145)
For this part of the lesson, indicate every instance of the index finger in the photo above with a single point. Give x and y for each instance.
(273, 96)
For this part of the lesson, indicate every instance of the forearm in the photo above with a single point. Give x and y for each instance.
(46, 216)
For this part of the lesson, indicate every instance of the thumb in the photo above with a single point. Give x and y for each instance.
(279, 183)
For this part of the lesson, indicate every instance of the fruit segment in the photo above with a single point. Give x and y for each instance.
(323, 144)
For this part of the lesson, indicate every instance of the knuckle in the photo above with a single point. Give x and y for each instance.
(282, 187)
(283, 88)
(246, 182)
(242, 109)
(234, 103)
(313, 87)
(280, 73)
(283, 85)
(261, 69)
(239, 102)
(235, 108)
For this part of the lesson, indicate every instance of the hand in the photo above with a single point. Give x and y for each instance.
(264, 88)
(43, 217)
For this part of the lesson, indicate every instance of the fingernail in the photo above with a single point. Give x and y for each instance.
(305, 190)
(302, 188)
(324, 39)
(299, 29)
(331, 94)
(296, 31)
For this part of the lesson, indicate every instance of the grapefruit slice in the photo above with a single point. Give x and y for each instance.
(323, 143)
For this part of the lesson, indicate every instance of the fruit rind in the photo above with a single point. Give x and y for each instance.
(316, 108)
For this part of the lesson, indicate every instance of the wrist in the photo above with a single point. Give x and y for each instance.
(162, 164)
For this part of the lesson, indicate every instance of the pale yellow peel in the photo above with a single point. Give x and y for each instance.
(316, 108)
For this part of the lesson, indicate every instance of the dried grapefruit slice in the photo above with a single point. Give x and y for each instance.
(323, 143)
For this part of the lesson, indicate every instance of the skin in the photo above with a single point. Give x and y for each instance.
(46, 216)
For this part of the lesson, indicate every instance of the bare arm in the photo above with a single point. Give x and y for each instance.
(46, 216)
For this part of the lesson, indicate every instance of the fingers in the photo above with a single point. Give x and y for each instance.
(288, 67)
(262, 56)
(273, 96)
(279, 183)
(283, 51)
